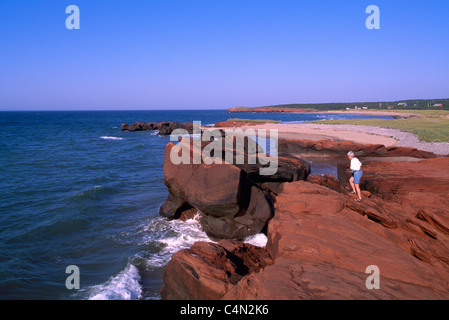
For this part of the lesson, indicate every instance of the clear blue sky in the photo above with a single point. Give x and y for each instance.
(215, 54)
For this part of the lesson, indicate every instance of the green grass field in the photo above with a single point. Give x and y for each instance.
(430, 126)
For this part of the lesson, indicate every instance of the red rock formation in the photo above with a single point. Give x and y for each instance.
(219, 192)
(207, 271)
(330, 148)
(421, 183)
(234, 201)
(320, 241)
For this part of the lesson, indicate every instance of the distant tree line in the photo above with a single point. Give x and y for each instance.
(417, 104)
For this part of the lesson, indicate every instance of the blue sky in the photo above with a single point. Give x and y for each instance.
(216, 54)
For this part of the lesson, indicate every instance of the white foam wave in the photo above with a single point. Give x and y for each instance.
(110, 138)
(167, 237)
(186, 234)
(258, 240)
(123, 286)
(178, 235)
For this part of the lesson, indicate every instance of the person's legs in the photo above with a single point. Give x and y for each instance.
(357, 176)
(359, 193)
(351, 182)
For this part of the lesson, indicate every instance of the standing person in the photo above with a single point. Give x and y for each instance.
(357, 173)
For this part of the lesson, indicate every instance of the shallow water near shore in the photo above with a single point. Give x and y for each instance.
(76, 190)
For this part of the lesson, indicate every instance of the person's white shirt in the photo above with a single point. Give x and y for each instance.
(355, 164)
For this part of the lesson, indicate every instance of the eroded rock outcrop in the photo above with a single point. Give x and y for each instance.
(320, 241)
(234, 200)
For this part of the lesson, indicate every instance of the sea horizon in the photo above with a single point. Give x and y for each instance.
(15, 109)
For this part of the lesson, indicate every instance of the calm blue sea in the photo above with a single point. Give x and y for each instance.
(75, 190)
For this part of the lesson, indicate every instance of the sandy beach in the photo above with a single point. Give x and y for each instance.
(397, 115)
(354, 133)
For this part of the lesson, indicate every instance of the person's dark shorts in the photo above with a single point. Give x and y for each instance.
(357, 176)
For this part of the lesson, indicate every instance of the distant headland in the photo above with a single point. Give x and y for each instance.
(411, 104)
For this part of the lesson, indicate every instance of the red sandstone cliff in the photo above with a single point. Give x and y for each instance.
(320, 241)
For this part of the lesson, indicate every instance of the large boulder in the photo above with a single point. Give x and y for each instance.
(230, 204)
(234, 200)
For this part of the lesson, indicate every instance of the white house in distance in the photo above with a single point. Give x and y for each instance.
(402, 104)
(357, 108)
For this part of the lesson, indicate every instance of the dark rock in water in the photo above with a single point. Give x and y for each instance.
(140, 126)
(171, 210)
(164, 128)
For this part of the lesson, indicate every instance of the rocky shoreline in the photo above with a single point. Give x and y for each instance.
(320, 241)
(404, 139)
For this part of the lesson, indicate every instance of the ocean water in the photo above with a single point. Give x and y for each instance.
(76, 190)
